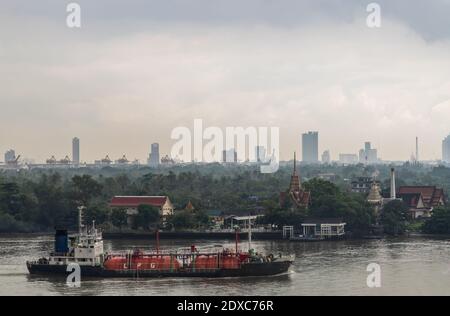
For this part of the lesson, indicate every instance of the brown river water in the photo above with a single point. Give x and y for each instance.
(409, 266)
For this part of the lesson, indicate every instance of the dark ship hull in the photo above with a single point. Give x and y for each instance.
(246, 270)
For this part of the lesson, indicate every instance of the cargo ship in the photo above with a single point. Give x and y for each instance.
(86, 250)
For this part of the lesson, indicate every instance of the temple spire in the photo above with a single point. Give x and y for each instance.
(296, 193)
(295, 179)
(295, 163)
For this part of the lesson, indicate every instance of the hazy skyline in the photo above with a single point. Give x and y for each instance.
(138, 69)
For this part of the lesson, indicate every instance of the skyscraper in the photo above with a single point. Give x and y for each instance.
(154, 156)
(348, 159)
(76, 151)
(229, 156)
(417, 150)
(446, 149)
(10, 156)
(326, 157)
(260, 153)
(368, 155)
(310, 147)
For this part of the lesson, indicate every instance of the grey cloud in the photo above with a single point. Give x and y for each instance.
(428, 18)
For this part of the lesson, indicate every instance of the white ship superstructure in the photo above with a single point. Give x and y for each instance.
(85, 248)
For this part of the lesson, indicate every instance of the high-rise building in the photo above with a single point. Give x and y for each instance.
(260, 153)
(76, 151)
(229, 156)
(326, 157)
(10, 156)
(310, 147)
(348, 159)
(446, 149)
(368, 155)
(153, 160)
(417, 150)
(362, 156)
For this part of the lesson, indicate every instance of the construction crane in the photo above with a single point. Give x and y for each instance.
(51, 161)
(106, 160)
(166, 160)
(13, 162)
(65, 161)
(123, 160)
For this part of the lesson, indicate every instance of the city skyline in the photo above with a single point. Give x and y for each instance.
(367, 155)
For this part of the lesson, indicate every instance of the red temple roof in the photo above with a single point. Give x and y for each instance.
(431, 195)
(135, 201)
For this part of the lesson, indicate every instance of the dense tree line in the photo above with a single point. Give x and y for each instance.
(439, 223)
(38, 200)
(327, 201)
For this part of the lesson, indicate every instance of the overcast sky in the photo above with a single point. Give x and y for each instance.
(137, 69)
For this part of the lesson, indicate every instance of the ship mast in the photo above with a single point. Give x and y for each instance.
(249, 233)
(236, 230)
(157, 241)
(80, 220)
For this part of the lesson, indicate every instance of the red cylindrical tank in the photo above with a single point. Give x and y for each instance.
(115, 263)
(214, 262)
(243, 257)
(141, 263)
(230, 262)
(205, 262)
(155, 263)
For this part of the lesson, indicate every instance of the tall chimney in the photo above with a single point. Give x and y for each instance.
(417, 149)
(393, 191)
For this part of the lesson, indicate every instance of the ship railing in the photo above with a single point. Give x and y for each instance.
(208, 249)
(168, 270)
(151, 253)
(174, 254)
(178, 252)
